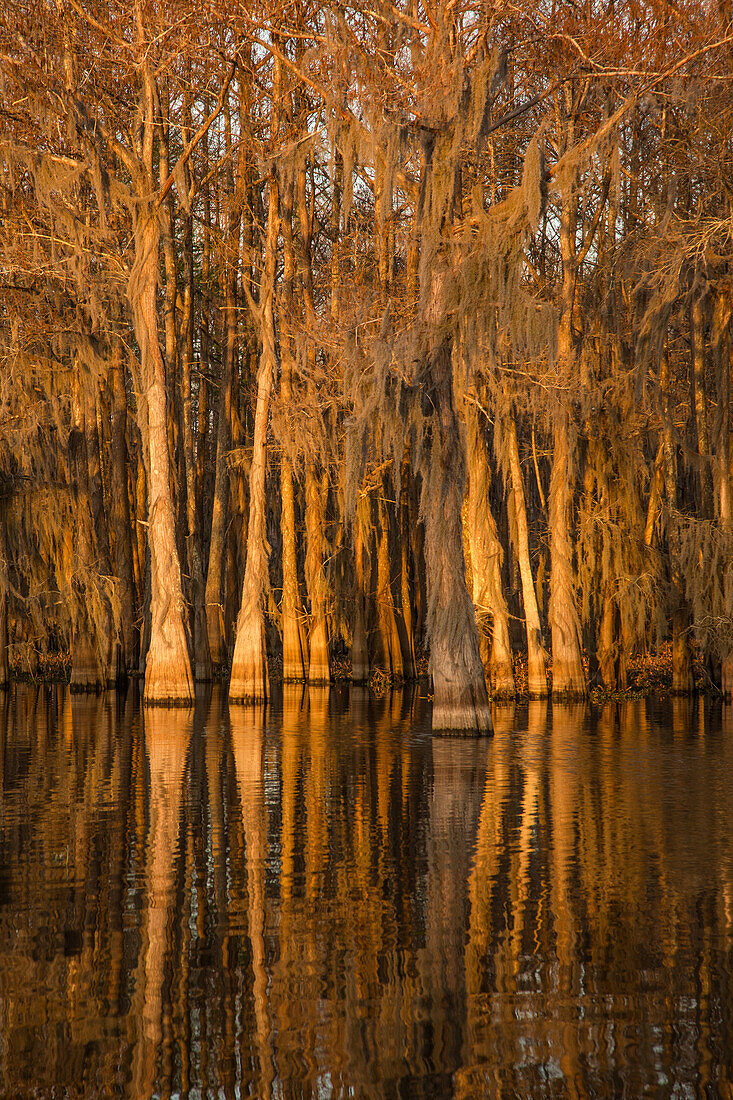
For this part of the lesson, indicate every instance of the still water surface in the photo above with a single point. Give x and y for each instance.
(321, 900)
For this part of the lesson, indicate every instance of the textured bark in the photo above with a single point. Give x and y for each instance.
(249, 664)
(388, 651)
(86, 667)
(568, 674)
(486, 558)
(359, 653)
(217, 543)
(4, 631)
(682, 683)
(96, 490)
(679, 612)
(184, 425)
(608, 648)
(697, 326)
(721, 345)
(4, 664)
(316, 489)
(407, 633)
(460, 702)
(138, 495)
(87, 672)
(220, 497)
(536, 659)
(120, 517)
(168, 675)
(249, 680)
(294, 633)
(295, 643)
(727, 678)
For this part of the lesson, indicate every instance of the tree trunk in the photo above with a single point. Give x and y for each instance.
(86, 663)
(681, 657)
(408, 651)
(536, 659)
(4, 633)
(217, 542)
(697, 326)
(121, 520)
(168, 668)
(4, 625)
(486, 558)
(215, 616)
(249, 680)
(295, 641)
(319, 671)
(608, 644)
(4, 663)
(388, 648)
(359, 652)
(460, 702)
(568, 674)
(727, 678)
(106, 627)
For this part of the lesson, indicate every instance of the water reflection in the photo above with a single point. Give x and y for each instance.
(320, 899)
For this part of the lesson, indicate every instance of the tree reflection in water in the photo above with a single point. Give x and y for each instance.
(318, 899)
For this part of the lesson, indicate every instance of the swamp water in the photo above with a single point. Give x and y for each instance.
(322, 900)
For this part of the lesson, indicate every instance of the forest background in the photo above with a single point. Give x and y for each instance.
(334, 335)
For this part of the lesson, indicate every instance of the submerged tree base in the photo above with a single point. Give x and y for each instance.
(457, 712)
(464, 720)
(501, 677)
(167, 681)
(249, 679)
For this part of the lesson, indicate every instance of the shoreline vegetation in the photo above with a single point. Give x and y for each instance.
(393, 337)
(649, 674)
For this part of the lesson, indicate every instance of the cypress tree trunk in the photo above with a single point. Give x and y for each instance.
(721, 343)
(105, 628)
(460, 702)
(697, 333)
(682, 683)
(536, 660)
(4, 636)
(120, 518)
(249, 665)
(217, 543)
(295, 645)
(249, 681)
(359, 653)
(86, 664)
(295, 641)
(319, 671)
(608, 644)
(568, 674)
(4, 663)
(215, 616)
(408, 650)
(168, 668)
(183, 423)
(678, 610)
(388, 648)
(726, 677)
(486, 559)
